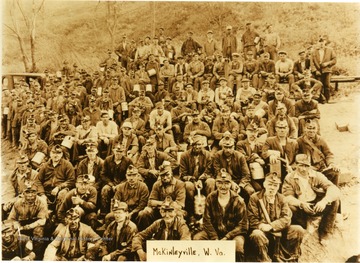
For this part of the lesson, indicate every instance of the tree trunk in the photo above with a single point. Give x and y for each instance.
(23, 54)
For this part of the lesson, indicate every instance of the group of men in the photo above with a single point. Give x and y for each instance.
(214, 149)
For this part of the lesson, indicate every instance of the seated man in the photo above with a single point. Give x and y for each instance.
(167, 187)
(129, 140)
(308, 83)
(15, 246)
(119, 234)
(221, 225)
(281, 114)
(107, 130)
(270, 218)
(33, 145)
(196, 127)
(310, 193)
(159, 116)
(72, 242)
(31, 213)
(169, 227)
(284, 69)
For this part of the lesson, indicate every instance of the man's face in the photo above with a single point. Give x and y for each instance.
(81, 187)
(137, 113)
(196, 57)
(166, 178)
(303, 169)
(132, 179)
(86, 124)
(120, 215)
(266, 57)
(31, 138)
(310, 130)
(159, 132)
(105, 119)
(160, 110)
(126, 131)
(197, 147)
(55, 156)
(282, 130)
(118, 154)
(92, 154)
(168, 215)
(250, 113)
(223, 186)
(257, 100)
(150, 150)
(30, 196)
(271, 187)
(22, 167)
(179, 78)
(302, 56)
(279, 96)
(251, 134)
(307, 97)
(8, 236)
(281, 111)
(245, 85)
(249, 56)
(225, 115)
(282, 57)
(223, 83)
(196, 119)
(228, 150)
(73, 222)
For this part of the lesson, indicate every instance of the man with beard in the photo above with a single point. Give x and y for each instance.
(32, 146)
(270, 225)
(221, 224)
(72, 241)
(196, 171)
(169, 227)
(31, 212)
(112, 174)
(84, 198)
(196, 127)
(234, 163)
(57, 176)
(133, 192)
(15, 246)
(150, 161)
(281, 115)
(310, 193)
(119, 234)
(307, 108)
(167, 188)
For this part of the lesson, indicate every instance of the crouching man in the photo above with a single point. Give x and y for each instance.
(310, 194)
(270, 225)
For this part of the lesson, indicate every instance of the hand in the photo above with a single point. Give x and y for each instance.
(224, 238)
(55, 191)
(76, 200)
(325, 64)
(106, 258)
(307, 208)
(154, 172)
(142, 255)
(265, 227)
(26, 259)
(273, 159)
(332, 166)
(82, 258)
(260, 161)
(202, 177)
(320, 206)
(106, 140)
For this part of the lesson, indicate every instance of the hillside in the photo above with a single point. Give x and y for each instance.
(76, 30)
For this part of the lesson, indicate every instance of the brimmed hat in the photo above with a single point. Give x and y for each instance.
(223, 176)
(83, 178)
(273, 178)
(282, 52)
(252, 127)
(119, 148)
(56, 149)
(222, 79)
(127, 124)
(303, 159)
(132, 170)
(22, 159)
(73, 212)
(117, 205)
(168, 205)
(165, 168)
(30, 187)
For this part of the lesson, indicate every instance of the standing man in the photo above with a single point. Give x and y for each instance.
(324, 58)
(271, 42)
(210, 45)
(221, 224)
(229, 43)
(249, 39)
(123, 52)
(270, 224)
(190, 47)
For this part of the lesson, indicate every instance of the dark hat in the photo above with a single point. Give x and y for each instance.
(281, 124)
(252, 127)
(7, 226)
(309, 123)
(168, 205)
(197, 138)
(30, 187)
(119, 148)
(56, 149)
(301, 52)
(131, 170)
(227, 141)
(83, 178)
(303, 159)
(22, 159)
(151, 140)
(189, 84)
(127, 124)
(223, 176)
(279, 90)
(273, 178)
(180, 57)
(257, 94)
(117, 205)
(165, 168)
(30, 101)
(104, 113)
(205, 82)
(106, 91)
(248, 23)
(73, 212)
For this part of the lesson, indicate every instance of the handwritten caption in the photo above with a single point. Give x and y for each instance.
(190, 251)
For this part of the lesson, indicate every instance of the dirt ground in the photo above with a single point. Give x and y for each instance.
(346, 147)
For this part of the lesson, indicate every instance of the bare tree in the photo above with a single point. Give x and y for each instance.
(112, 20)
(23, 27)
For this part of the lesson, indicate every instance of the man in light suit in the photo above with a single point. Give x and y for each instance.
(323, 59)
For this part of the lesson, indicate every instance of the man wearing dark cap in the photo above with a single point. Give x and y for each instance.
(229, 43)
(117, 95)
(233, 224)
(250, 39)
(270, 224)
(190, 47)
(281, 114)
(169, 50)
(119, 234)
(251, 69)
(196, 127)
(15, 246)
(167, 188)
(72, 241)
(122, 51)
(195, 71)
(307, 108)
(245, 93)
(112, 174)
(222, 91)
(31, 212)
(281, 147)
(84, 198)
(305, 83)
(236, 68)
(205, 94)
(57, 175)
(266, 67)
(219, 68)
(280, 97)
(301, 191)
(169, 227)
(34, 145)
(179, 117)
(324, 58)
(191, 97)
(138, 125)
(284, 69)
(301, 66)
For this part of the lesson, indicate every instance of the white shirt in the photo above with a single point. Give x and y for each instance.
(307, 193)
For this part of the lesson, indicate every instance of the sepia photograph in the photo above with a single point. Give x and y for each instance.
(180, 131)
